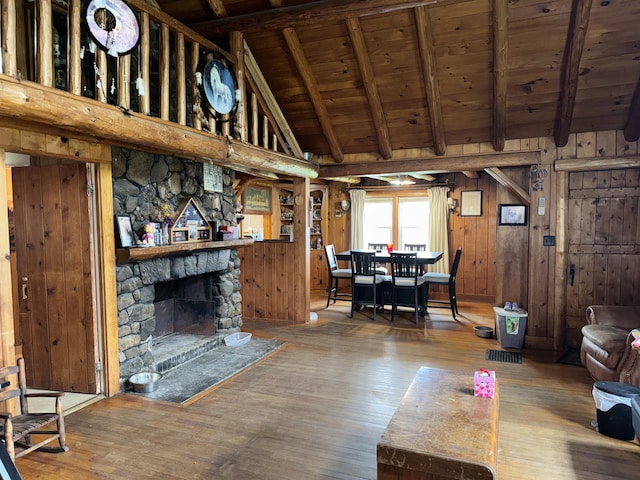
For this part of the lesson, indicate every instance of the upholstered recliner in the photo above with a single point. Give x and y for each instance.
(606, 349)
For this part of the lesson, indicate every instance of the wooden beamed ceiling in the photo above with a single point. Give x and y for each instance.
(370, 85)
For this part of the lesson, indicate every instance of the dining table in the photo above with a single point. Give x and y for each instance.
(383, 256)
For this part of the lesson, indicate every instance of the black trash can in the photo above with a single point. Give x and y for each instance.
(635, 415)
(613, 408)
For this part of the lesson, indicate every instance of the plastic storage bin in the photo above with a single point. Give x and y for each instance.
(613, 408)
(511, 326)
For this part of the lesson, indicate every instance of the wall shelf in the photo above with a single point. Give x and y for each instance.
(132, 255)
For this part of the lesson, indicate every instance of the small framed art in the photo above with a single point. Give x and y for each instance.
(257, 200)
(512, 214)
(125, 231)
(471, 203)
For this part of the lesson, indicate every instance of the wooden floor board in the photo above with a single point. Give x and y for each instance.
(316, 409)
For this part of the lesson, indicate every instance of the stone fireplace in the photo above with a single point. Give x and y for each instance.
(195, 293)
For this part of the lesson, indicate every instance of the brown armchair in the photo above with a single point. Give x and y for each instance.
(606, 349)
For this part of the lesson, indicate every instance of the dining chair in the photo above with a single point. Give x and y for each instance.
(407, 283)
(366, 282)
(445, 279)
(335, 274)
(379, 247)
(415, 247)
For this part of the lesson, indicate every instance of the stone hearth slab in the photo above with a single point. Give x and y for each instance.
(191, 379)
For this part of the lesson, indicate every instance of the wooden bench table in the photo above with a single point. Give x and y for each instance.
(440, 431)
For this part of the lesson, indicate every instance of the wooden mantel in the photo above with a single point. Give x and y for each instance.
(130, 255)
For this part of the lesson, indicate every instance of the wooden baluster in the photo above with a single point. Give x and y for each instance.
(181, 80)
(45, 43)
(145, 56)
(124, 83)
(237, 48)
(274, 142)
(265, 132)
(101, 85)
(75, 45)
(254, 117)
(197, 100)
(165, 64)
(9, 63)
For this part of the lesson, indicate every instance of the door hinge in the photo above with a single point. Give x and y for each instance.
(98, 366)
(90, 190)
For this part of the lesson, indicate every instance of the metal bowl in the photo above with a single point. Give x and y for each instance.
(484, 332)
(145, 382)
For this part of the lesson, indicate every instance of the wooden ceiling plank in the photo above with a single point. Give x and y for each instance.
(432, 164)
(261, 87)
(570, 69)
(295, 47)
(311, 13)
(632, 125)
(370, 87)
(500, 48)
(509, 184)
(430, 74)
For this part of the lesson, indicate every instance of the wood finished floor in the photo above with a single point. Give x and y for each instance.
(316, 409)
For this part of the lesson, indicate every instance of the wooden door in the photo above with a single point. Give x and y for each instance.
(54, 272)
(603, 261)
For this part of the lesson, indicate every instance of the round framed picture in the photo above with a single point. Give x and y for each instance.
(113, 25)
(219, 88)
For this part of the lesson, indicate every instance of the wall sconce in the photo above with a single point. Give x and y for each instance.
(452, 203)
(344, 205)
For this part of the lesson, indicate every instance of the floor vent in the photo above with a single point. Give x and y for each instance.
(503, 356)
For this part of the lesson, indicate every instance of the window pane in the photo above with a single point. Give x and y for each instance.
(377, 220)
(413, 221)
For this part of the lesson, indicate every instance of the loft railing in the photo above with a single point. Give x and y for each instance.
(159, 77)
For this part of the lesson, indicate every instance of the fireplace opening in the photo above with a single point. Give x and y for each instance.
(185, 305)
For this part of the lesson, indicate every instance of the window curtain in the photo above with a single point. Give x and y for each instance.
(438, 227)
(357, 218)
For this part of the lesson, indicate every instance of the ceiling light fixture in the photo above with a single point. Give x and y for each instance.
(402, 181)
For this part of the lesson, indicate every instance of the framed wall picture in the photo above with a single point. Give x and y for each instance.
(125, 231)
(471, 203)
(212, 178)
(512, 214)
(257, 200)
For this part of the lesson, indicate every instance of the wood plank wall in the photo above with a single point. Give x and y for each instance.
(268, 281)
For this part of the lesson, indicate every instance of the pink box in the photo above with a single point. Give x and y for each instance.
(484, 383)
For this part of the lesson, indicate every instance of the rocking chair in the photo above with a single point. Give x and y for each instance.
(16, 430)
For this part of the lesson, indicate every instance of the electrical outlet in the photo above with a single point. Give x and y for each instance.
(549, 240)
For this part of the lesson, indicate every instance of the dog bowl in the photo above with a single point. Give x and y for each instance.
(237, 339)
(483, 332)
(144, 382)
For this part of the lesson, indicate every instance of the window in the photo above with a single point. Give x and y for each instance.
(396, 219)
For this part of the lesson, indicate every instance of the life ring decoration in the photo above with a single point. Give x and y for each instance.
(113, 26)
(219, 90)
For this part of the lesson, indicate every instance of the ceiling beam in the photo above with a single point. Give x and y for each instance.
(597, 163)
(311, 13)
(299, 58)
(470, 174)
(509, 184)
(259, 84)
(370, 87)
(432, 164)
(632, 125)
(500, 48)
(64, 112)
(430, 74)
(424, 176)
(217, 7)
(570, 69)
